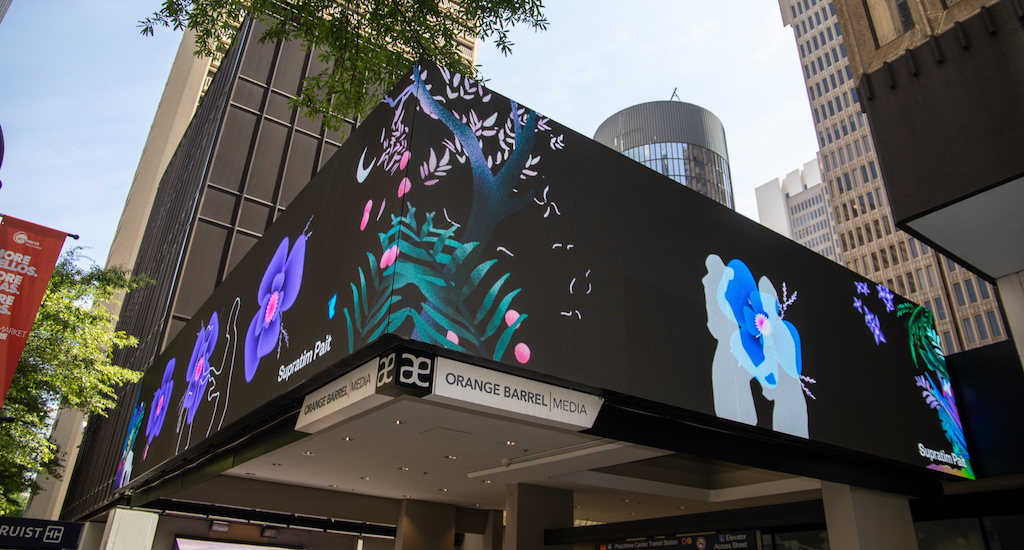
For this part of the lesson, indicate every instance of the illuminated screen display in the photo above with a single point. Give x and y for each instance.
(457, 217)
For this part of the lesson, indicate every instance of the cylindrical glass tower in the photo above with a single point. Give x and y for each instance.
(682, 141)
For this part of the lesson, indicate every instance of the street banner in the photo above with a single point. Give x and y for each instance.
(28, 253)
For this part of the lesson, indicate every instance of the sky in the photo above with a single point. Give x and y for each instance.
(79, 87)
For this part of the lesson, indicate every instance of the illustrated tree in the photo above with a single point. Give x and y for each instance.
(366, 45)
(445, 264)
(66, 364)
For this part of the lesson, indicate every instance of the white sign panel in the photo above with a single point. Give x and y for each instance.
(347, 396)
(460, 383)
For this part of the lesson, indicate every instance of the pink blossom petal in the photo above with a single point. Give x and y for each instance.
(405, 160)
(430, 182)
(452, 337)
(522, 353)
(387, 259)
(404, 187)
(511, 316)
(366, 214)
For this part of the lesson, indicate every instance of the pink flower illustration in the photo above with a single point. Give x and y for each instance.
(522, 353)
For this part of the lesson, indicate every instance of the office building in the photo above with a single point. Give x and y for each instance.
(680, 140)
(942, 84)
(224, 157)
(965, 305)
(798, 207)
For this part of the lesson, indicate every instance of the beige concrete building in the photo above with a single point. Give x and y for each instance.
(965, 306)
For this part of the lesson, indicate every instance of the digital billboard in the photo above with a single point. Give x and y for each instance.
(459, 218)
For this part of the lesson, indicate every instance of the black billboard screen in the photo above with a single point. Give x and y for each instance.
(457, 217)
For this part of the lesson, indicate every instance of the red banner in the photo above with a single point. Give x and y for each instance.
(28, 253)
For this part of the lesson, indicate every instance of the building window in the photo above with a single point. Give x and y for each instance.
(950, 265)
(899, 284)
(853, 208)
(878, 231)
(959, 291)
(860, 237)
(982, 333)
(846, 213)
(940, 309)
(867, 229)
(892, 253)
(910, 283)
(867, 149)
(903, 251)
(971, 295)
(885, 221)
(874, 261)
(888, 19)
(885, 261)
(931, 276)
(994, 323)
(913, 248)
(842, 239)
(947, 339)
(871, 199)
(968, 330)
(983, 287)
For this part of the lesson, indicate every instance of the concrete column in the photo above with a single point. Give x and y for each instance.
(862, 519)
(1011, 292)
(425, 526)
(529, 510)
(495, 533)
(92, 536)
(129, 529)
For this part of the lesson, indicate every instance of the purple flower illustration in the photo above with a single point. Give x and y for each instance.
(158, 409)
(862, 288)
(277, 292)
(857, 304)
(871, 320)
(887, 297)
(198, 373)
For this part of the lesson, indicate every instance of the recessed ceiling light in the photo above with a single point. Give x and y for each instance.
(404, 469)
(510, 442)
(443, 490)
(275, 463)
(346, 439)
(578, 507)
(486, 481)
(332, 485)
(450, 457)
(625, 500)
(632, 513)
(249, 474)
(682, 507)
(476, 505)
(398, 422)
(308, 453)
(405, 496)
(364, 478)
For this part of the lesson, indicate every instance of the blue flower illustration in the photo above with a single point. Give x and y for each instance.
(762, 340)
(198, 373)
(862, 288)
(158, 409)
(277, 292)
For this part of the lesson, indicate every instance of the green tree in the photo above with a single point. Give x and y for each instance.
(365, 44)
(66, 364)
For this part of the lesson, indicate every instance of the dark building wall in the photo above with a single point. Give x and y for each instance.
(947, 116)
(244, 157)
